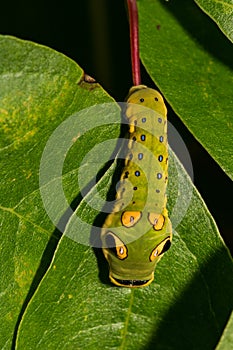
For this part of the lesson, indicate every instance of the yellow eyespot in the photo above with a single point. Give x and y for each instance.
(130, 218)
(157, 220)
(121, 252)
(160, 249)
(115, 245)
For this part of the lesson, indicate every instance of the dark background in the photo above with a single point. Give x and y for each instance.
(95, 34)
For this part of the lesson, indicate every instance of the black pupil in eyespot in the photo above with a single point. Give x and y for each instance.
(166, 246)
(141, 99)
(156, 99)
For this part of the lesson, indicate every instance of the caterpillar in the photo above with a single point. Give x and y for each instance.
(137, 232)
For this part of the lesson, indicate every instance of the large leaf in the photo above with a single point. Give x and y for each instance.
(74, 306)
(221, 12)
(190, 60)
(38, 89)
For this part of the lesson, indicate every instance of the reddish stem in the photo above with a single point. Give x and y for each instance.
(134, 41)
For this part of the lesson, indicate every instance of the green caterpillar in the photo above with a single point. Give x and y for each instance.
(138, 231)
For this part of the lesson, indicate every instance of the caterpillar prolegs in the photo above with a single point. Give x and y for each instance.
(138, 231)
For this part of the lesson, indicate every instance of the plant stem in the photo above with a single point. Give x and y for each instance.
(134, 41)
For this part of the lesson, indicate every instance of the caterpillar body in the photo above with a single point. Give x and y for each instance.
(138, 231)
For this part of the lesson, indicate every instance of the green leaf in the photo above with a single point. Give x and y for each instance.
(221, 12)
(39, 88)
(190, 60)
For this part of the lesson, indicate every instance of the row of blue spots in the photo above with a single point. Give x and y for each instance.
(159, 176)
(143, 138)
(140, 156)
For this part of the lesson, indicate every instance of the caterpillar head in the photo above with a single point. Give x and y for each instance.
(132, 265)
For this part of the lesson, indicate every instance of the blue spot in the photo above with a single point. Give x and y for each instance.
(143, 137)
(160, 158)
(137, 173)
(143, 120)
(161, 138)
(140, 156)
(160, 120)
(159, 176)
